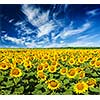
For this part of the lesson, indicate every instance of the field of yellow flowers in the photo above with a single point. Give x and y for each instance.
(50, 71)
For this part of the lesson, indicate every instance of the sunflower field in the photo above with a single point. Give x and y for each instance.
(49, 71)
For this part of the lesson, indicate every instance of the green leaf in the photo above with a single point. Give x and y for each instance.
(66, 81)
(38, 86)
(19, 90)
(25, 81)
(16, 80)
(62, 77)
(31, 73)
(51, 76)
(21, 67)
(37, 92)
(92, 89)
(9, 83)
(85, 93)
(68, 92)
(94, 74)
(5, 92)
(97, 79)
(88, 71)
(1, 78)
(31, 80)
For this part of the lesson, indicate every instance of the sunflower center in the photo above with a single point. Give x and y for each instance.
(28, 66)
(41, 75)
(80, 86)
(46, 65)
(71, 61)
(98, 63)
(40, 67)
(91, 82)
(81, 59)
(92, 62)
(53, 83)
(72, 72)
(15, 72)
(4, 66)
(54, 63)
(64, 70)
(52, 68)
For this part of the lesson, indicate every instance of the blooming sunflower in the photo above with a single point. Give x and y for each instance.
(4, 66)
(71, 73)
(41, 75)
(52, 69)
(97, 64)
(27, 65)
(80, 87)
(91, 82)
(53, 84)
(16, 72)
(78, 69)
(71, 61)
(81, 59)
(81, 74)
(40, 67)
(45, 64)
(63, 71)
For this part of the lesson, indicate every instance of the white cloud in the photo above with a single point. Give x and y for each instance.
(11, 20)
(88, 37)
(61, 41)
(13, 39)
(70, 32)
(3, 31)
(53, 45)
(85, 41)
(34, 15)
(84, 44)
(83, 37)
(92, 12)
(46, 28)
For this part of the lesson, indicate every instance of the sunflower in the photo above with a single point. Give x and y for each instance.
(97, 64)
(54, 63)
(16, 72)
(71, 61)
(4, 66)
(53, 84)
(80, 87)
(92, 62)
(78, 69)
(45, 64)
(27, 65)
(41, 75)
(81, 74)
(52, 69)
(40, 67)
(64, 58)
(71, 73)
(63, 71)
(81, 59)
(91, 82)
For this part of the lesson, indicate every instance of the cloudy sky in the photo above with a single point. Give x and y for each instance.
(42, 26)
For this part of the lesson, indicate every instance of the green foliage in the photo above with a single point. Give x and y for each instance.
(19, 90)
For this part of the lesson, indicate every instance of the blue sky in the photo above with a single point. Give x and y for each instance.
(45, 26)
